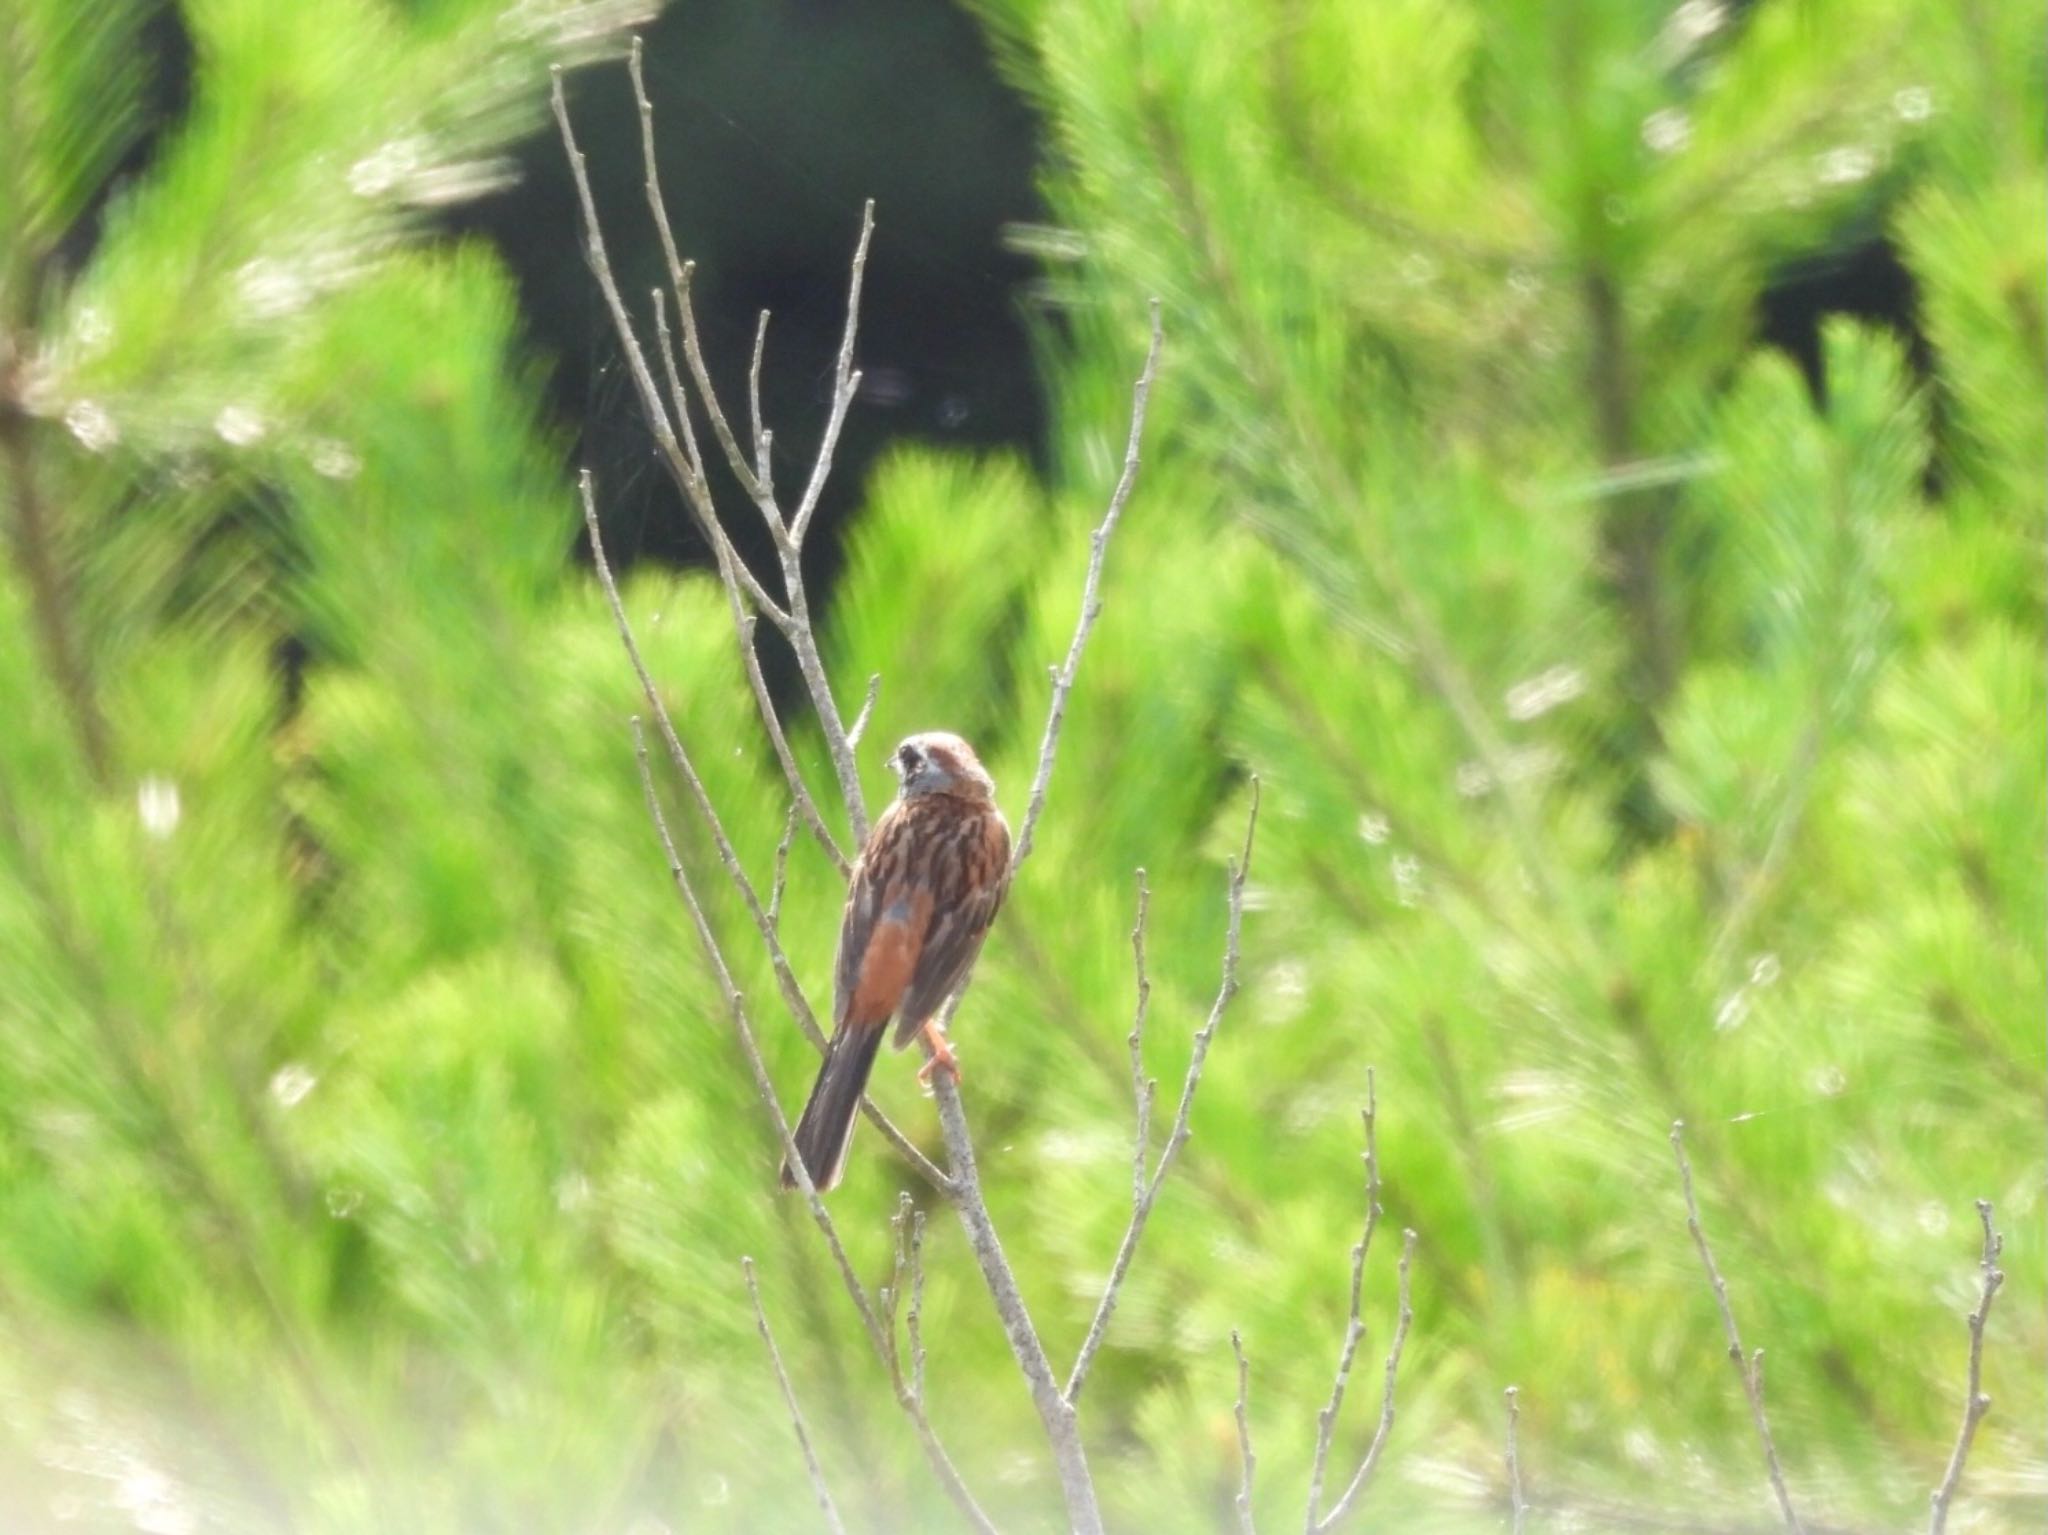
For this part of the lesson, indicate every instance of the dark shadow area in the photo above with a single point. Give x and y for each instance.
(775, 121)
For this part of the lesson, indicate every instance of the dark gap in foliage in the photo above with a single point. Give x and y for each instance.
(775, 122)
(166, 46)
(1864, 280)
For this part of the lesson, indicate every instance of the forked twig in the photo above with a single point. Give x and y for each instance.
(794, 621)
(1748, 1369)
(1975, 1402)
(1363, 1475)
(1354, 1326)
(845, 384)
(796, 1416)
(743, 622)
(1146, 1191)
(688, 478)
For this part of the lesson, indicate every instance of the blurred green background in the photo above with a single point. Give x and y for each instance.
(1650, 719)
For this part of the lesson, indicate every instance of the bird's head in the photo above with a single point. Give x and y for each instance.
(937, 762)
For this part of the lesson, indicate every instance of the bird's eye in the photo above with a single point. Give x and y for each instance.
(907, 759)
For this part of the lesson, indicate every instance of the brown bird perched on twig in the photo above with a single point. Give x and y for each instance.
(924, 891)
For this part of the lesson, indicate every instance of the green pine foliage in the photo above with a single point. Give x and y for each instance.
(1645, 730)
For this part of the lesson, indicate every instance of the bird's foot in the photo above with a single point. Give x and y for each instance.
(942, 1057)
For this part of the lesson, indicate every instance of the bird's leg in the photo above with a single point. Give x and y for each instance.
(941, 1058)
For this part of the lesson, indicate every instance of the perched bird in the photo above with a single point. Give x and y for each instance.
(923, 893)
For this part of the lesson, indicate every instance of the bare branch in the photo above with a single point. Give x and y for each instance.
(687, 480)
(1366, 1467)
(792, 994)
(1975, 1402)
(1516, 1502)
(1752, 1384)
(1354, 1326)
(1055, 1412)
(1245, 1455)
(845, 385)
(679, 272)
(942, 1465)
(1091, 600)
(727, 559)
(1141, 1209)
(1142, 1086)
(796, 1416)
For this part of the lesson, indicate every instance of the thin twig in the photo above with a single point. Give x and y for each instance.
(845, 384)
(792, 994)
(859, 727)
(1091, 599)
(764, 440)
(1975, 1402)
(781, 880)
(1147, 1196)
(1752, 1386)
(1360, 1478)
(892, 1296)
(1354, 1326)
(1516, 1502)
(1245, 1455)
(1091, 608)
(796, 1416)
(913, 1322)
(942, 1465)
(1142, 1087)
(679, 406)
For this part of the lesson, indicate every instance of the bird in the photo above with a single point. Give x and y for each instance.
(918, 905)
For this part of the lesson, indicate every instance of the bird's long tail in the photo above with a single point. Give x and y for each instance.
(826, 1128)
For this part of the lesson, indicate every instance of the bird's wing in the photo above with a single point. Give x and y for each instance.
(881, 933)
(970, 871)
